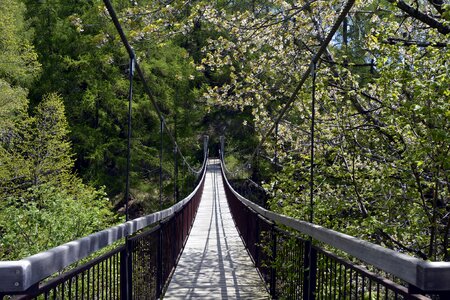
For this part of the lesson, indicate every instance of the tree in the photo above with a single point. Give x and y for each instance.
(47, 148)
(43, 204)
(382, 143)
(18, 68)
(18, 65)
(89, 69)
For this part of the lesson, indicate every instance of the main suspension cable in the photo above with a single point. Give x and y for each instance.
(305, 76)
(131, 53)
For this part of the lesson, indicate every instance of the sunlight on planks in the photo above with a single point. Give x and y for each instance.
(214, 263)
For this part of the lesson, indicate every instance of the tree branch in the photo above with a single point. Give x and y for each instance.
(399, 244)
(417, 14)
(393, 41)
(438, 5)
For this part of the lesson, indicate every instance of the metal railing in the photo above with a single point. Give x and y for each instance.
(139, 269)
(294, 267)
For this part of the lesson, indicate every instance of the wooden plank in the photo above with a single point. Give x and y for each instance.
(214, 263)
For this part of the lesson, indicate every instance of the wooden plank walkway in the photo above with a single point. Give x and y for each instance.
(214, 263)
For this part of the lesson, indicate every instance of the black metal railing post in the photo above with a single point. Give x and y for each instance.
(123, 274)
(126, 271)
(159, 263)
(309, 271)
(129, 266)
(183, 215)
(273, 269)
(161, 132)
(257, 238)
(174, 235)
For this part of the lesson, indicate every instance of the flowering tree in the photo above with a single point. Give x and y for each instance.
(382, 143)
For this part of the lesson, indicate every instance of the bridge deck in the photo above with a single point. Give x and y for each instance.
(214, 263)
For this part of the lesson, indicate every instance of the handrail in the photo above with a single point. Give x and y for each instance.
(427, 276)
(18, 276)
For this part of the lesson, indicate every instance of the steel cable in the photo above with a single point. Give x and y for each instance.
(131, 53)
(305, 76)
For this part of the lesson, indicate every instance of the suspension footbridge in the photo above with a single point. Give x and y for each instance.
(214, 262)
(215, 243)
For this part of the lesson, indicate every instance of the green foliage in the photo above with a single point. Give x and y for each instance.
(70, 52)
(18, 68)
(46, 216)
(37, 151)
(85, 62)
(382, 121)
(227, 68)
(13, 106)
(43, 204)
(47, 149)
(18, 64)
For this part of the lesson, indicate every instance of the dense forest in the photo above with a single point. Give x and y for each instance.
(227, 68)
